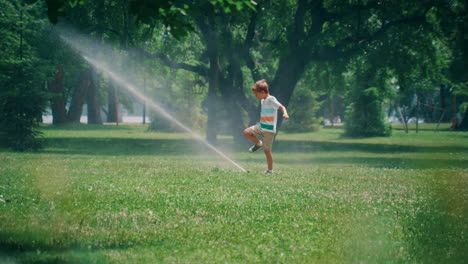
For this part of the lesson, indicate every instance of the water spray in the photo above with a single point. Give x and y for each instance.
(158, 108)
(131, 88)
(72, 41)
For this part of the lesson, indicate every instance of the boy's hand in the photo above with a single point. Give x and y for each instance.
(285, 112)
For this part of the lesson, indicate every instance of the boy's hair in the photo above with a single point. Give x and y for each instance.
(261, 85)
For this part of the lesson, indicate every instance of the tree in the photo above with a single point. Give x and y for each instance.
(364, 114)
(79, 96)
(281, 39)
(303, 107)
(327, 80)
(22, 74)
(220, 26)
(454, 23)
(59, 111)
(331, 30)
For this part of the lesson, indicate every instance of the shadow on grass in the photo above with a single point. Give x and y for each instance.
(122, 146)
(136, 146)
(165, 147)
(381, 162)
(437, 233)
(27, 248)
(313, 146)
(85, 127)
(413, 129)
(15, 247)
(336, 127)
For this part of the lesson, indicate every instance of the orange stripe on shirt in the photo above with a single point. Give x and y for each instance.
(267, 119)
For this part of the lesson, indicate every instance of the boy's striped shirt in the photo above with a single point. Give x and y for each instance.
(268, 114)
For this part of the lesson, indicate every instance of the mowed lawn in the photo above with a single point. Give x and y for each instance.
(107, 194)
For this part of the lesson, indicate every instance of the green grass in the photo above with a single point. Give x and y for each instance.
(106, 194)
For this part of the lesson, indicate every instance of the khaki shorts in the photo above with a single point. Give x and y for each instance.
(267, 137)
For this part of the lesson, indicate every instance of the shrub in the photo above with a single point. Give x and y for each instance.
(21, 113)
(365, 117)
(302, 110)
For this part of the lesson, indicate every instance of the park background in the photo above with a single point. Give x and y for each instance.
(371, 167)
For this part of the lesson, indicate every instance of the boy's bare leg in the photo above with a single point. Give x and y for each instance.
(269, 158)
(251, 136)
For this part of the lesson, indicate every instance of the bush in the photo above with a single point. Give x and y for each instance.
(188, 114)
(21, 115)
(365, 117)
(22, 73)
(302, 110)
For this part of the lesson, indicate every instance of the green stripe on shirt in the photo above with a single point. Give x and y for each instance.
(265, 126)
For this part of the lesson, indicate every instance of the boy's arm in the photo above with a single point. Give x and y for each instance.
(285, 112)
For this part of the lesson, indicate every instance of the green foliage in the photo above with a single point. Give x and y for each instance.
(20, 120)
(229, 6)
(364, 116)
(181, 97)
(175, 15)
(22, 74)
(302, 110)
(327, 79)
(411, 42)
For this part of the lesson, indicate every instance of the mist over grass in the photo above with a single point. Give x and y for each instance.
(107, 194)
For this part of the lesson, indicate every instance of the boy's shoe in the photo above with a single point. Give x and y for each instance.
(269, 172)
(256, 147)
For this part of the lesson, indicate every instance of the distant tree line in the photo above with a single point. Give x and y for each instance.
(358, 60)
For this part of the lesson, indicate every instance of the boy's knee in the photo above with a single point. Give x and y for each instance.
(247, 132)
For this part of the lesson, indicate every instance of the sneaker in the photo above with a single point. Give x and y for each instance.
(269, 172)
(255, 147)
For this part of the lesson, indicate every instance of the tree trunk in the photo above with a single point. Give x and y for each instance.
(214, 73)
(59, 112)
(418, 106)
(79, 97)
(144, 102)
(332, 110)
(442, 98)
(230, 99)
(464, 123)
(236, 124)
(290, 70)
(211, 130)
(232, 91)
(112, 110)
(94, 112)
(454, 113)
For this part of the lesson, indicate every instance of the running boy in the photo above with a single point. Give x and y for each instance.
(266, 129)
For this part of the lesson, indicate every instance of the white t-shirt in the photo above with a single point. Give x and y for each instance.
(268, 114)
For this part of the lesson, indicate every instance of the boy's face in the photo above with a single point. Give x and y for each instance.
(260, 95)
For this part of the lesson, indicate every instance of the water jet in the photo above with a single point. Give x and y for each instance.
(151, 104)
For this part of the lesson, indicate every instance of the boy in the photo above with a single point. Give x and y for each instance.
(266, 129)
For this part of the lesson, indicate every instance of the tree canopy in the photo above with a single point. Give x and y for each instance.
(399, 53)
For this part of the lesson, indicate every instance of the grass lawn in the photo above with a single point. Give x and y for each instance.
(107, 194)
